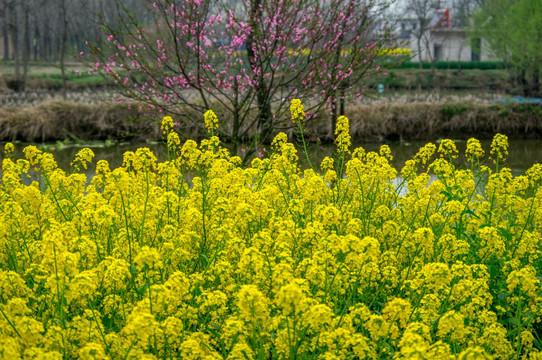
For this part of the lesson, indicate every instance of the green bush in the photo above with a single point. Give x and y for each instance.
(455, 65)
(452, 109)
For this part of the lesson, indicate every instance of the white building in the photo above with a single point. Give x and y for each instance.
(441, 42)
(450, 45)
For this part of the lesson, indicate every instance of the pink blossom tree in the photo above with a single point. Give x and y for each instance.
(245, 59)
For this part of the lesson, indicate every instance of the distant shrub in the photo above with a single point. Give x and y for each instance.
(455, 65)
(451, 109)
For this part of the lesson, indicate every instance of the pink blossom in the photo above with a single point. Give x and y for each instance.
(206, 52)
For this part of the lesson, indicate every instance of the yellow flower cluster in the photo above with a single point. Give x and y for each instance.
(395, 51)
(197, 257)
(342, 131)
(167, 124)
(448, 149)
(474, 149)
(82, 158)
(211, 121)
(297, 112)
(8, 149)
(499, 147)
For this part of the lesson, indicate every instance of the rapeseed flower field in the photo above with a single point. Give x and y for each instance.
(198, 257)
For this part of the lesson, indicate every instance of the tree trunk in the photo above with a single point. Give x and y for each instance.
(535, 83)
(5, 32)
(336, 112)
(419, 43)
(35, 42)
(17, 84)
(522, 82)
(343, 88)
(236, 117)
(264, 120)
(26, 45)
(46, 50)
(63, 43)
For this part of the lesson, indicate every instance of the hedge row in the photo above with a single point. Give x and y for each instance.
(454, 65)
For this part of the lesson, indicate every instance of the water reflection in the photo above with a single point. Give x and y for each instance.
(522, 153)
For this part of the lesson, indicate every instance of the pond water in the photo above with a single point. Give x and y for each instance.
(522, 153)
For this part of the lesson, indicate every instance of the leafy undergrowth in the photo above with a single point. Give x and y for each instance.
(199, 258)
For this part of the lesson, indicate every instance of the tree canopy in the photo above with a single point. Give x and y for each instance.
(514, 32)
(246, 60)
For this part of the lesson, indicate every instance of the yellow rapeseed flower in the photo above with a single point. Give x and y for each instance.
(8, 149)
(297, 112)
(499, 147)
(342, 132)
(211, 121)
(167, 125)
(201, 257)
(82, 158)
(474, 149)
(252, 303)
(447, 148)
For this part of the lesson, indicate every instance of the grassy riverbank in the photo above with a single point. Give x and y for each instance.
(411, 108)
(48, 77)
(451, 79)
(44, 76)
(57, 120)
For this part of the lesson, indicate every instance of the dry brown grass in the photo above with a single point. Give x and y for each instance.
(460, 120)
(58, 119)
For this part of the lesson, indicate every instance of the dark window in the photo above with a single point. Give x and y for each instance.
(437, 52)
(476, 49)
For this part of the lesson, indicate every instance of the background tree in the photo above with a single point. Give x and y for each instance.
(246, 61)
(50, 31)
(461, 18)
(422, 12)
(16, 30)
(514, 32)
(462, 11)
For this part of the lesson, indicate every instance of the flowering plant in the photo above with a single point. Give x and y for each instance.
(198, 257)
